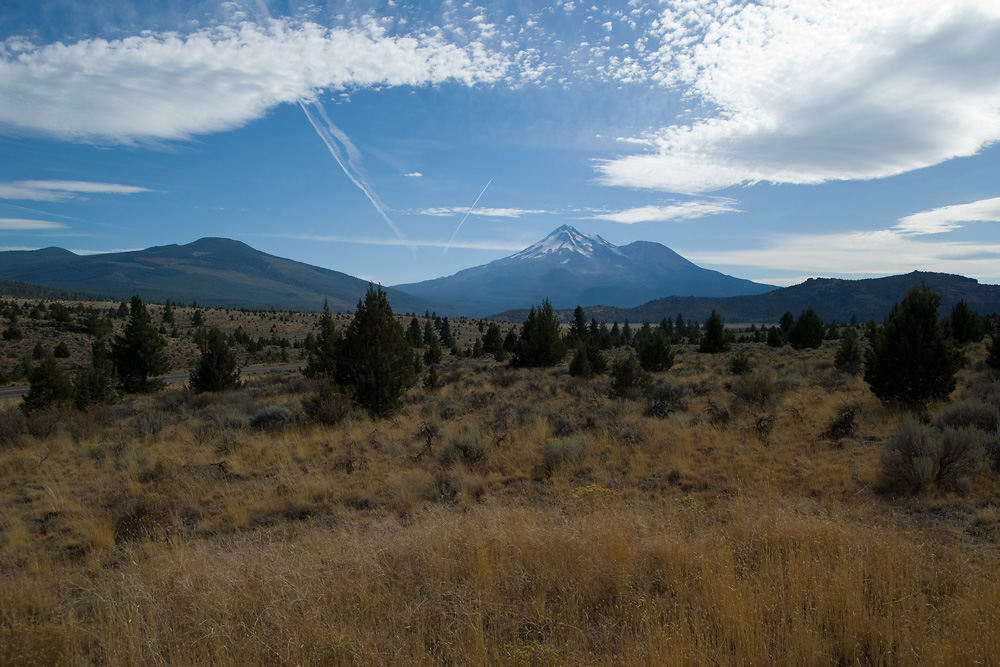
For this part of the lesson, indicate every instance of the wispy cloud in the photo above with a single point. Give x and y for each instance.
(677, 211)
(486, 212)
(408, 242)
(413, 174)
(808, 92)
(23, 225)
(170, 86)
(949, 218)
(62, 190)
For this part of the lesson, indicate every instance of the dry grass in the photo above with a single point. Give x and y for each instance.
(168, 530)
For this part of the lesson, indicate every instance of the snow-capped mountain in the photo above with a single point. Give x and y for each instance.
(573, 269)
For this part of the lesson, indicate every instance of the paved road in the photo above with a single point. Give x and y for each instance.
(180, 377)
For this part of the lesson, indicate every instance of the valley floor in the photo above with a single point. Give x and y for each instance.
(514, 517)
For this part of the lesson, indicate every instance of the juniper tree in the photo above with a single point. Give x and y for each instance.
(541, 342)
(808, 330)
(138, 351)
(322, 360)
(217, 368)
(912, 358)
(654, 351)
(95, 385)
(374, 361)
(715, 338)
(49, 386)
(966, 324)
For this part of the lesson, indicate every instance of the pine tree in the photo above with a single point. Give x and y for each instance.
(374, 361)
(322, 360)
(49, 386)
(966, 324)
(808, 331)
(654, 351)
(541, 341)
(414, 334)
(578, 330)
(217, 369)
(492, 339)
(138, 351)
(912, 358)
(848, 357)
(95, 385)
(715, 338)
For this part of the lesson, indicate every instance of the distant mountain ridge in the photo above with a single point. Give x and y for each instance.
(212, 271)
(570, 269)
(831, 298)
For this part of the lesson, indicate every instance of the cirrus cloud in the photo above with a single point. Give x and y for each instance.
(807, 92)
(171, 86)
(677, 211)
(62, 190)
(25, 225)
(948, 218)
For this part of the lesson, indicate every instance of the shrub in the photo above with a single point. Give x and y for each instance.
(628, 380)
(11, 426)
(664, 399)
(915, 459)
(561, 451)
(588, 361)
(756, 388)
(993, 349)
(465, 445)
(972, 413)
(329, 406)
(273, 418)
(49, 386)
(739, 363)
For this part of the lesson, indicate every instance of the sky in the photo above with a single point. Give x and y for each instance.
(402, 141)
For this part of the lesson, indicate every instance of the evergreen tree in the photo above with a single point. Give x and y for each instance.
(322, 361)
(912, 359)
(414, 334)
(654, 352)
(198, 319)
(786, 322)
(447, 337)
(541, 341)
(374, 361)
(848, 357)
(808, 331)
(95, 385)
(492, 339)
(168, 313)
(217, 369)
(578, 329)
(966, 324)
(433, 354)
(138, 351)
(429, 333)
(715, 338)
(993, 350)
(49, 386)
(588, 361)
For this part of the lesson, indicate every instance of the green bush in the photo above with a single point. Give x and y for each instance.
(273, 418)
(628, 379)
(848, 357)
(739, 363)
(915, 458)
(756, 388)
(561, 451)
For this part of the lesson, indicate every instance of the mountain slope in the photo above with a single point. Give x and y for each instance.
(832, 298)
(211, 271)
(570, 269)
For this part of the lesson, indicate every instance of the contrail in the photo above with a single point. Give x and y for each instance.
(327, 134)
(467, 213)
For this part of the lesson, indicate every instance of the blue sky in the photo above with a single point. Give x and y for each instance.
(772, 141)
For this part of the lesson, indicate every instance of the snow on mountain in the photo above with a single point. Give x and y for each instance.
(567, 239)
(570, 269)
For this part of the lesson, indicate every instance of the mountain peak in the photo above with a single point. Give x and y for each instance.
(566, 240)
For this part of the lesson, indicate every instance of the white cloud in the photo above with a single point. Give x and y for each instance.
(948, 218)
(62, 190)
(883, 252)
(486, 212)
(468, 245)
(678, 211)
(23, 225)
(798, 91)
(171, 86)
(413, 174)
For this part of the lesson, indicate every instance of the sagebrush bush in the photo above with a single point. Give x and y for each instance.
(273, 417)
(756, 389)
(11, 426)
(970, 412)
(328, 406)
(465, 446)
(558, 452)
(915, 458)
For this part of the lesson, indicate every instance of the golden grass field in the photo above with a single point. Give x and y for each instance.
(510, 517)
